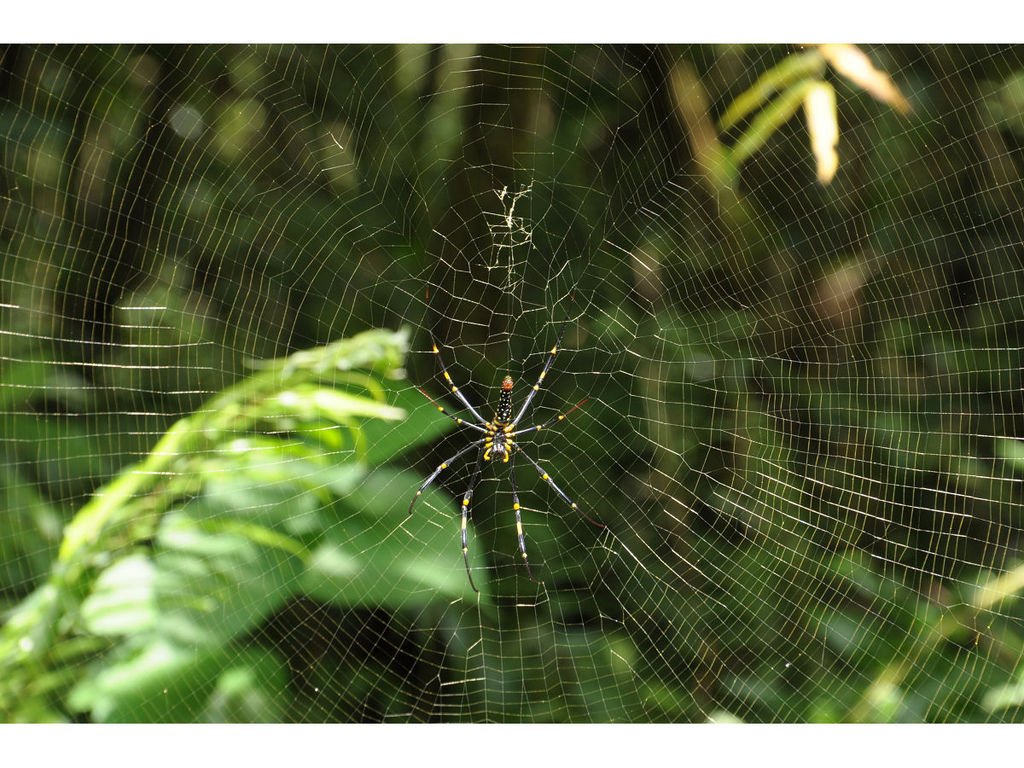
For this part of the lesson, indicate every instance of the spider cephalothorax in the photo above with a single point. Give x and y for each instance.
(498, 441)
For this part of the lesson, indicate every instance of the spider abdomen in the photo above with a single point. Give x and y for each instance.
(503, 413)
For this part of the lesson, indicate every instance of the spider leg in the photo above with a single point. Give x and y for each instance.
(456, 419)
(455, 390)
(441, 467)
(465, 513)
(549, 422)
(519, 519)
(547, 478)
(543, 373)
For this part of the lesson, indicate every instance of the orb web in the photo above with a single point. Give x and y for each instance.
(800, 400)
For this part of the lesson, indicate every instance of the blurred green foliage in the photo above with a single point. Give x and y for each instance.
(804, 399)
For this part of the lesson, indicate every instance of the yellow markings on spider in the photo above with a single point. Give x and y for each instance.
(465, 503)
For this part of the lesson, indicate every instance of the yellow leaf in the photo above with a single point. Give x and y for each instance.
(823, 125)
(853, 64)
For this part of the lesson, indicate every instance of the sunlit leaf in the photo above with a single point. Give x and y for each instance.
(1004, 697)
(768, 120)
(123, 601)
(993, 592)
(1012, 451)
(853, 64)
(823, 126)
(376, 349)
(790, 70)
(310, 402)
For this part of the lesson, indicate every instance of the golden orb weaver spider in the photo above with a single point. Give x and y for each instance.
(498, 441)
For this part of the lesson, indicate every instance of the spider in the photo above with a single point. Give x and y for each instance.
(498, 442)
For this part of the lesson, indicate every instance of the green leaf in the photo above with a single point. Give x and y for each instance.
(377, 556)
(286, 490)
(219, 575)
(422, 425)
(376, 349)
(1011, 451)
(768, 121)
(791, 69)
(159, 682)
(123, 600)
(1004, 697)
(252, 688)
(312, 403)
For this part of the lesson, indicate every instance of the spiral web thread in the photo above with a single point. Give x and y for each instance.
(801, 436)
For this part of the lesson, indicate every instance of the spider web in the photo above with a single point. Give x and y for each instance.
(801, 399)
